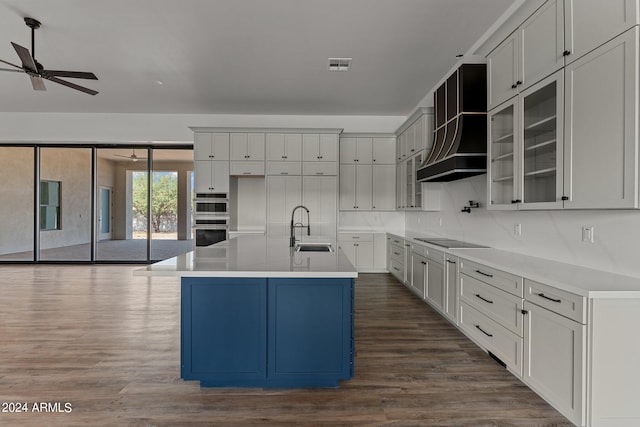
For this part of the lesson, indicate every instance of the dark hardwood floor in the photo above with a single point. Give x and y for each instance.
(108, 344)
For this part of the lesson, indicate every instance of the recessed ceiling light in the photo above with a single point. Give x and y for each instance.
(160, 82)
(339, 64)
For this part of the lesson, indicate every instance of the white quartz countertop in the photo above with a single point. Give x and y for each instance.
(579, 280)
(254, 256)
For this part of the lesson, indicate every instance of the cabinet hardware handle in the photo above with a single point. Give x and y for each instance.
(484, 299)
(518, 83)
(483, 331)
(524, 311)
(284, 173)
(423, 263)
(412, 150)
(396, 268)
(516, 201)
(565, 198)
(541, 295)
(355, 237)
(513, 86)
(451, 262)
(566, 53)
(246, 173)
(319, 173)
(396, 253)
(484, 274)
(322, 157)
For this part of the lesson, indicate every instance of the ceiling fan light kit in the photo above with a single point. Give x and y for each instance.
(37, 72)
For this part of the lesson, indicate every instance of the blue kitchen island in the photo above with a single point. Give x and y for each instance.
(256, 313)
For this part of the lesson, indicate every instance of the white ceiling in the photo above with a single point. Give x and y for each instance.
(240, 56)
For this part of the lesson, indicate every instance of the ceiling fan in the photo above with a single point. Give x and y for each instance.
(131, 157)
(37, 72)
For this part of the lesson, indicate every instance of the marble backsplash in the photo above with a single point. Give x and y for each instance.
(555, 235)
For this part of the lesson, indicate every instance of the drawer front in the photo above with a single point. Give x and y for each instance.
(564, 303)
(247, 168)
(502, 307)
(500, 279)
(396, 241)
(284, 168)
(494, 337)
(435, 255)
(397, 269)
(356, 237)
(420, 250)
(319, 168)
(397, 254)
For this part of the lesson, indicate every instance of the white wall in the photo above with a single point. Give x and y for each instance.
(16, 199)
(555, 235)
(67, 127)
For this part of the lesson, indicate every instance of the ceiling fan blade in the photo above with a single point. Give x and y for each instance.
(13, 65)
(71, 74)
(25, 57)
(12, 70)
(37, 83)
(72, 85)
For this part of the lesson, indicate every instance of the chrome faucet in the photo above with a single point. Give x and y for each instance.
(292, 237)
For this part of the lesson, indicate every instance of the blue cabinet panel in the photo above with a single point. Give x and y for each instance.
(310, 328)
(224, 325)
(258, 332)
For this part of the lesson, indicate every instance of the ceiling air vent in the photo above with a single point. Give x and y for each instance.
(339, 64)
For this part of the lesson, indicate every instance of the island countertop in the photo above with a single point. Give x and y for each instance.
(253, 256)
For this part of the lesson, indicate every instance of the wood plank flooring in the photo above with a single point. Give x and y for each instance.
(108, 343)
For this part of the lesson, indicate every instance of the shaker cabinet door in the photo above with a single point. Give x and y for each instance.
(601, 116)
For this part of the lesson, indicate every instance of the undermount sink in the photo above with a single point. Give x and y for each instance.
(313, 247)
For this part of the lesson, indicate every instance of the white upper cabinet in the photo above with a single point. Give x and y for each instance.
(534, 51)
(384, 187)
(503, 72)
(384, 150)
(211, 176)
(356, 150)
(601, 135)
(320, 147)
(356, 187)
(591, 23)
(247, 146)
(525, 149)
(283, 147)
(211, 146)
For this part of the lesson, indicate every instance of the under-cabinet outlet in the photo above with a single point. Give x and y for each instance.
(587, 234)
(517, 229)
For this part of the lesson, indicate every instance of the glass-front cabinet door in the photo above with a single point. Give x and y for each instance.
(503, 190)
(541, 156)
(525, 149)
(417, 186)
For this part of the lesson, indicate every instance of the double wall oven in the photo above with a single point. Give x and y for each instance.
(211, 218)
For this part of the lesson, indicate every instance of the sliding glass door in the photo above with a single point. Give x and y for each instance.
(71, 203)
(16, 203)
(65, 204)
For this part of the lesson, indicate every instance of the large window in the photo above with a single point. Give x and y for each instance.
(50, 205)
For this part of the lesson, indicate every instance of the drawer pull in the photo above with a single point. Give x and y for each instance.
(396, 268)
(396, 253)
(483, 299)
(541, 295)
(484, 274)
(483, 331)
(451, 262)
(423, 263)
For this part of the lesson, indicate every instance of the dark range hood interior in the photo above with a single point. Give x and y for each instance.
(459, 147)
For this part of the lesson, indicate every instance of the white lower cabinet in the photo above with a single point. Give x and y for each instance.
(418, 270)
(554, 360)
(435, 279)
(451, 288)
(366, 251)
(580, 354)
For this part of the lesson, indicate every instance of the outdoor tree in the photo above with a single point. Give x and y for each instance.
(164, 202)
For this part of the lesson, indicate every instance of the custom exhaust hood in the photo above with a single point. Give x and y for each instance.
(459, 147)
